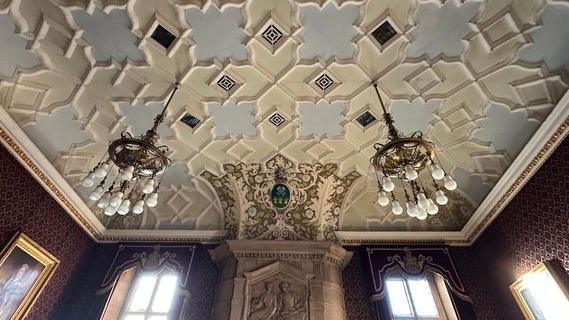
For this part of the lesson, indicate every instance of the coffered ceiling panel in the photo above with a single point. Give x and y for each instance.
(283, 82)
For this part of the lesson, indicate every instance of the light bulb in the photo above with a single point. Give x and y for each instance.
(110, 210)
(422, 200)
(436, 172)
(441, 198)
(152, 200)
(382, 199)
(104, 200)
(410, 173)
(411, 209)
(396, 208)
(149, 186)
(127, 173)
(124, 208)
(102, 170)
(96, 194)
(138, 207)
(432, 208)
(89, 180)
(116, 199)
(421, 214)
(388, 184)
(450, 184)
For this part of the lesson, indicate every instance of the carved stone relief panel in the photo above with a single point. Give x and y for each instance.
(277, 292)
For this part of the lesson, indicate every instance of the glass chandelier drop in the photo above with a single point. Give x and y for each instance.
(409, 162)
(131, 170)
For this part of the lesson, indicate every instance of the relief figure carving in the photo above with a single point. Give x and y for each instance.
(285, 305)
(265, 306)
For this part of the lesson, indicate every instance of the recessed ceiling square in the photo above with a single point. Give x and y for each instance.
(226, 83)
(163, 36)
(277, 119)
(324, 82)
(272, 34)
(190, 120)
(384, 32)
(366, 118)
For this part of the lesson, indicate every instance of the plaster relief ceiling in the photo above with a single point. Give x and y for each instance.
(267, 82)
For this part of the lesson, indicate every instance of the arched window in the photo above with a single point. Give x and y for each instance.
(142, 295)
(419, 298)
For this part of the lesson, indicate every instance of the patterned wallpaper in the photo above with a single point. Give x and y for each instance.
(202, 284)
(355, 289)
(533, 228)
(25, 206)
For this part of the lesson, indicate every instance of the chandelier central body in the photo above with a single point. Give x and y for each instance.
(131, 171)
(411, 161)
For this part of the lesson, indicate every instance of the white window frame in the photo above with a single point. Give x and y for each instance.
(438, 297)
(130, 296)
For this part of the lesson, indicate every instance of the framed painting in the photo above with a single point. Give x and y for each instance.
(543, 292)
(25, 268)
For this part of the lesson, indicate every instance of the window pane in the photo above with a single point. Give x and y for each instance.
(133, 317)
(142, 293)
(422, 298)
(398, 298)
(158, 318)
(165, 293)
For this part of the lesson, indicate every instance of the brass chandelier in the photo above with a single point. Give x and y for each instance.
(411, 163)
(130, 171)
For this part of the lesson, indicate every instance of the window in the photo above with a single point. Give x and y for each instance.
(151, 297)
(418, 299)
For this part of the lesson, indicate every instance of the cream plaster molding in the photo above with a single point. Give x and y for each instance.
(550, 134)
(30, 157)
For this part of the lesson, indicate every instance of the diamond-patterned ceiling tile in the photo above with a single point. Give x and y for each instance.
(329, 31)
(546, 46)
(98, 26)
(217, 33)
(277, 119)
(441, 28)
(14, 50)
(273, 35)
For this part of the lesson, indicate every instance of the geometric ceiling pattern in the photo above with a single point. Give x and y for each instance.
(287, 81)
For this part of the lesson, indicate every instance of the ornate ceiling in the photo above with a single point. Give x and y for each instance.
(287, 83)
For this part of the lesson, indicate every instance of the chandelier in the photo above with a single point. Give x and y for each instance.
(409, 162)
(130, 171)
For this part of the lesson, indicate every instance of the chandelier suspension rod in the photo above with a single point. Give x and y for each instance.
(159, 118)
(392, 131)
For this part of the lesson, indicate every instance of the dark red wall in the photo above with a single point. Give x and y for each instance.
(25, 206)
(532, 228)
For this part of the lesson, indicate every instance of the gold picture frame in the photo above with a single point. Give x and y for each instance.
(25, 269)
(548, 273)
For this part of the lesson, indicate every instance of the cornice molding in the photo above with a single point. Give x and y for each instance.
(549, 135)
